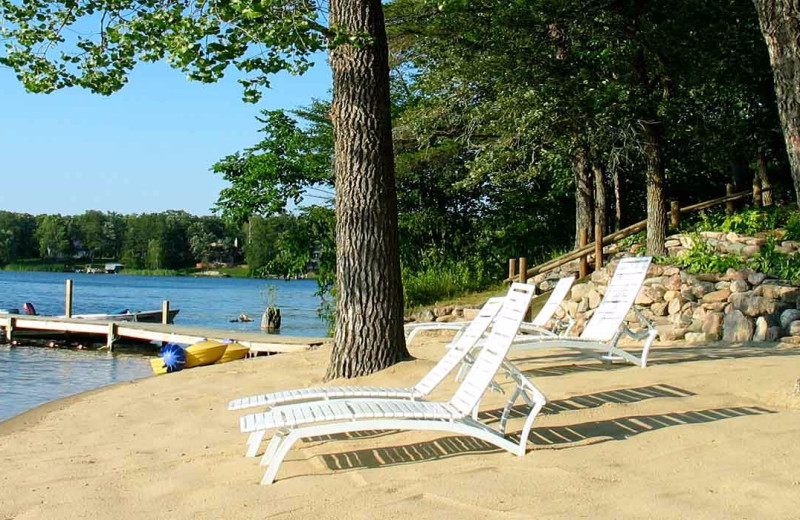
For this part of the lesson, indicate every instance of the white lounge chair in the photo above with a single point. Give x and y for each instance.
(299, 421)
(456, 353)
(536, 326)
(606, 327)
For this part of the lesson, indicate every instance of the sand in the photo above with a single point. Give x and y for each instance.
(705, 432)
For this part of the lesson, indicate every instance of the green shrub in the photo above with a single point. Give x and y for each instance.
(700, 258)
(439, 281)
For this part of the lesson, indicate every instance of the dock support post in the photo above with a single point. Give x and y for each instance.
(10, 324)
(68, 302)
(523, 269)
(165, 312)
(512, 268)
(111, 336)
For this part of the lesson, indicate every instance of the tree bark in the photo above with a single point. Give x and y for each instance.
(656, 198)
(780, 25)
(369, 320)
(617, 202)
(583, 195)
(599, 198)
(766, 186)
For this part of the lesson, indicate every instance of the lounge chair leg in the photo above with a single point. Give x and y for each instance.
(272, 447)
(277, 458)
(253, 443)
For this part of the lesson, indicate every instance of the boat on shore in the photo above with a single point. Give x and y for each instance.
(203, 353)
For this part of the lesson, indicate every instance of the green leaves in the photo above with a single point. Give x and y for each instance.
(94, 44)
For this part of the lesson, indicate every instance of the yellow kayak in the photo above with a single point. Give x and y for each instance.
(199, 354)
(204, 353)
(233, 352)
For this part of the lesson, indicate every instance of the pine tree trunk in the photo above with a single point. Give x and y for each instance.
(369, 320)
(583, 195)
(766, 186)
(656, 198)
(780, 25)
(599, 198)
(617, 202)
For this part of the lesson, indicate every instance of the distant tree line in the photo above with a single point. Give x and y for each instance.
(281, 245)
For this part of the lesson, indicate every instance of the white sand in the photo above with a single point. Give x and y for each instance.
(696, 435)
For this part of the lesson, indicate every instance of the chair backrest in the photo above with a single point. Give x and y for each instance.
(618, 300)
(461, 347)
(551, 305)
(504, 330)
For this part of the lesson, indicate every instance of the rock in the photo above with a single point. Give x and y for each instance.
(458, 312)
(715, 307)
(545, 286)
(732, 237)
(736, 327)
(571, 308)
(699, 314)
(659, 309)
(773, 333)
(583, 306)
(673, 282)
(753, 305)
(675, 334)
(671, 295)
(695, 326)
(427, 315)
(791, 245)
(790, 340)
(735, 274)
(687, 294)
(717, 296)
(580, 291)
(788, 316)
(443, 311)
(762, 325)
(676, 252)
(674, 306)
(794, 328)
(722, 285)
(708, 277)
(646, 297)
(446, 319)
(671, 271)
(594, 299)
(672, 243)
(654, 280)
(712, 324)
(779, 290)
(750, 251)
(756, 279)
(601, 277)
(696, 337)
(654, 270)
(739, 286)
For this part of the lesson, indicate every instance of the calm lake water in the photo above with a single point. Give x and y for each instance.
(30, 376)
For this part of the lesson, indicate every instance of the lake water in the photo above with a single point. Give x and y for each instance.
(30, 376)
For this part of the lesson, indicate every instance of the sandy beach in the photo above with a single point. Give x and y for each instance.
(705, 432)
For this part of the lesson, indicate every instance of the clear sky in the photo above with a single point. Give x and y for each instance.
(147, 148)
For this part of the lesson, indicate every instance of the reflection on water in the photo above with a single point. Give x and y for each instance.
(30, 376)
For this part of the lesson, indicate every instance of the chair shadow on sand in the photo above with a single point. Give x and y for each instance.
(555, 437)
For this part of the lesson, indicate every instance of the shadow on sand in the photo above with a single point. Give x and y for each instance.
(591, 432)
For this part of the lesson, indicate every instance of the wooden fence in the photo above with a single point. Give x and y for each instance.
(518, 269)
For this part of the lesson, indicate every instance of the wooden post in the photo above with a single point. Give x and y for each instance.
(675, 214)
(598, 247)
(583, 238)
(10, 324)
(111, 336)
(68, 302)
(512, 268)
(165, 312)
(757, 192)
(523, 269)
(729, 204)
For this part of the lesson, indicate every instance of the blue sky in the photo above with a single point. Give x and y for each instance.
(146, 148)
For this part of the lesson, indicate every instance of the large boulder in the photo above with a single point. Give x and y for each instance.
(736, 327)
(794, 328)
(717, 296)
(739, 286)
(753, 305)
(695, 338)
(427, 315)
(779, 290)
(788, 316)
(762, 326)
(756, 279)
(712, 324)
(580, 291)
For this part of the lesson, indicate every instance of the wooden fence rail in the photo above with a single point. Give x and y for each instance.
(587, 249)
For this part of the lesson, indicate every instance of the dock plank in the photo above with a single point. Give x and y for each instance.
(256, 341)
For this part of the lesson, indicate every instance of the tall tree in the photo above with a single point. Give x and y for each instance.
(780, 25)
(204, 39)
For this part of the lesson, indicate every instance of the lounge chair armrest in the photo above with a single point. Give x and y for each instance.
(650, 329)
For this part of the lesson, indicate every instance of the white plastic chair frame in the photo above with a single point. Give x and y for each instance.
(456, 352)
(606, 327)
(536, 326)
(455, 416)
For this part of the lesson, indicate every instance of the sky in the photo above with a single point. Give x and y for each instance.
(147, 148)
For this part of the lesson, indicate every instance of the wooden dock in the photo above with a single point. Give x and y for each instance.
(30, 326)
